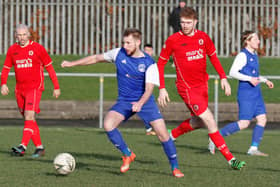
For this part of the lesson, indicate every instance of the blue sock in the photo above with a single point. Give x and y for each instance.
(116, 138)
(257, 135)
(171, 153)
(229, 129)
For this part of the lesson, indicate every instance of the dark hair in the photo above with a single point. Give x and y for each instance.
(136, 33)
(245, 36)
(148, 45)
(188, 12)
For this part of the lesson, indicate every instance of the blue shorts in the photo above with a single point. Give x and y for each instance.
(249, 109)
(149, 112)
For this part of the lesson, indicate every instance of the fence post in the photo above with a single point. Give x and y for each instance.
(216, 96)
(101, 93)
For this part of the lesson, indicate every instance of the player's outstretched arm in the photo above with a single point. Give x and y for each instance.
(163, 97)
(226, 87)
(84, 61)
(4, 89)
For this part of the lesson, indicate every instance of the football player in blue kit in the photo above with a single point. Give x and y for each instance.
(245, 68)
(136, 76)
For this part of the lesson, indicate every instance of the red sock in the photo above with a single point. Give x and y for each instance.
(183, 128)
(220, 143)
(36, 138)
(28, 131)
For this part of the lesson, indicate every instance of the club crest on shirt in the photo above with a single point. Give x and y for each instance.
(141, 67)
(124, 61)
(251, 59)
(195, 107)
(200, 41)
(30, 53)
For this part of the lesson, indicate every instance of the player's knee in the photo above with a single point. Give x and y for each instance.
(163, 137)
(29, 115)
(243, 124)
(262, 120)
(108, 127)
(29, 118)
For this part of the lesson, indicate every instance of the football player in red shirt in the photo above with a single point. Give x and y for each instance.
(189, 48)
(29, 60)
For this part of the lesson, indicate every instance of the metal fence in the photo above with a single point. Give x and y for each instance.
(93, 26)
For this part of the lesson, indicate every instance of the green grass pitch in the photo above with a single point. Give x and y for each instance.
(98, 162)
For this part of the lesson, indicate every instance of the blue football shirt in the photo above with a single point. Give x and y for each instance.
(132, 73)
(246, 90)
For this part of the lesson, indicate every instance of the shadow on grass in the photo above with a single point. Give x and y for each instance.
(199, 149)
(102, 164)
(204, 149)
(40, 159)
(9, 152)
(93, 166)
(150, 172)
(55, 174)
(268, 169)
(95, 155)
(25, 157)
(106, 157)
(199, 165)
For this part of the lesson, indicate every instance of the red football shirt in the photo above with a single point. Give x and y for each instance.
(29, 63)
(189, 56)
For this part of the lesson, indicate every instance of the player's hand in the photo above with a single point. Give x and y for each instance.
(255, 81)
(226, 87)
(163, 97)
(136, 106)
(56, 93)
(4, 89)
(269, 84)
(66, 63)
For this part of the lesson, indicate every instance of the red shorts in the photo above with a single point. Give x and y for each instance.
(28, 100)
(195, 98)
